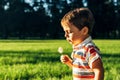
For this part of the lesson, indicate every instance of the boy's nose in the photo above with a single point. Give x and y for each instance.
(66, 35)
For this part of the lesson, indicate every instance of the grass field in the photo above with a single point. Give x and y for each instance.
(39, 59)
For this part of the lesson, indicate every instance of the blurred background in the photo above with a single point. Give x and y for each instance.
(40, 19)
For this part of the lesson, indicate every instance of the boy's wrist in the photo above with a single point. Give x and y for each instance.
(69, 63)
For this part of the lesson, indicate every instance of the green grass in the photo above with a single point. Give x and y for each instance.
(39, 59)
(111, 57)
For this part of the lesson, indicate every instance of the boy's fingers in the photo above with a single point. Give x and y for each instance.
(64, 58)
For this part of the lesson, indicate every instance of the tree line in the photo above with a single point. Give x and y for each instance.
(40, 19)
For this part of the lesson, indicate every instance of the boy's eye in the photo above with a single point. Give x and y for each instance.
(70, 32)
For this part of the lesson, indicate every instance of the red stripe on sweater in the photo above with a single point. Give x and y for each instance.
(85, 76)
(77, 66)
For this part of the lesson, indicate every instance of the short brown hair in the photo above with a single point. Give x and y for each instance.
(79, 17)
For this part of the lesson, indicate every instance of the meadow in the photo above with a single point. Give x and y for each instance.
(40, 60)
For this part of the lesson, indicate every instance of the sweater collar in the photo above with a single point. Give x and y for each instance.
(87, 40)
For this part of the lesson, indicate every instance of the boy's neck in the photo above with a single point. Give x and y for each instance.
(81, 41)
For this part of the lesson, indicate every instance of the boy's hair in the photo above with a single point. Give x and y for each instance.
(79, 17)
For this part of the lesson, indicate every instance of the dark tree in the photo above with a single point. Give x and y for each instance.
(41, 18)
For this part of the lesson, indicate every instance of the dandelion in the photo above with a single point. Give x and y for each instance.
(60, 50)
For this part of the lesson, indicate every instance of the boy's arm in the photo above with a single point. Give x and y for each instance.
(98, 69)
(66, 60)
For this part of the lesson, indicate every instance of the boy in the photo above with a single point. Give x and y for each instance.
(86, 62)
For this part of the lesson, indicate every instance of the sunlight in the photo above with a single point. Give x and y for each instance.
(85, 4)
(30, 2)
(115, 2)
(7, 6)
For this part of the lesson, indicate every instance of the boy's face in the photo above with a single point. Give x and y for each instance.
(73, 34)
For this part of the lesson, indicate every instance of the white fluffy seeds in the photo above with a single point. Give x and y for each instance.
(60, 50)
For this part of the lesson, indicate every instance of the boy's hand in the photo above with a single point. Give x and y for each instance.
(65, 59)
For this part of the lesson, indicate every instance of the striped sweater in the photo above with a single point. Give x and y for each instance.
(83, 56)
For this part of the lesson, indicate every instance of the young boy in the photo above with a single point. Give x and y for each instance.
(86, 62)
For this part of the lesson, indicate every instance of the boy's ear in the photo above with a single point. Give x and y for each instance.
(85, 30)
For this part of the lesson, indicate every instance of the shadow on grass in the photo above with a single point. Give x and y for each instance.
(115, 55)
(110, 59)
(24, 57)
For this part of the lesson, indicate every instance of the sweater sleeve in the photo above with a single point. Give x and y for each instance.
(92, 55)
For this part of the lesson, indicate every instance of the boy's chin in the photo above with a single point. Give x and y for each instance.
(70, 42)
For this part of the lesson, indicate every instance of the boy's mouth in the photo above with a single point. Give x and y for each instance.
(69, 40)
